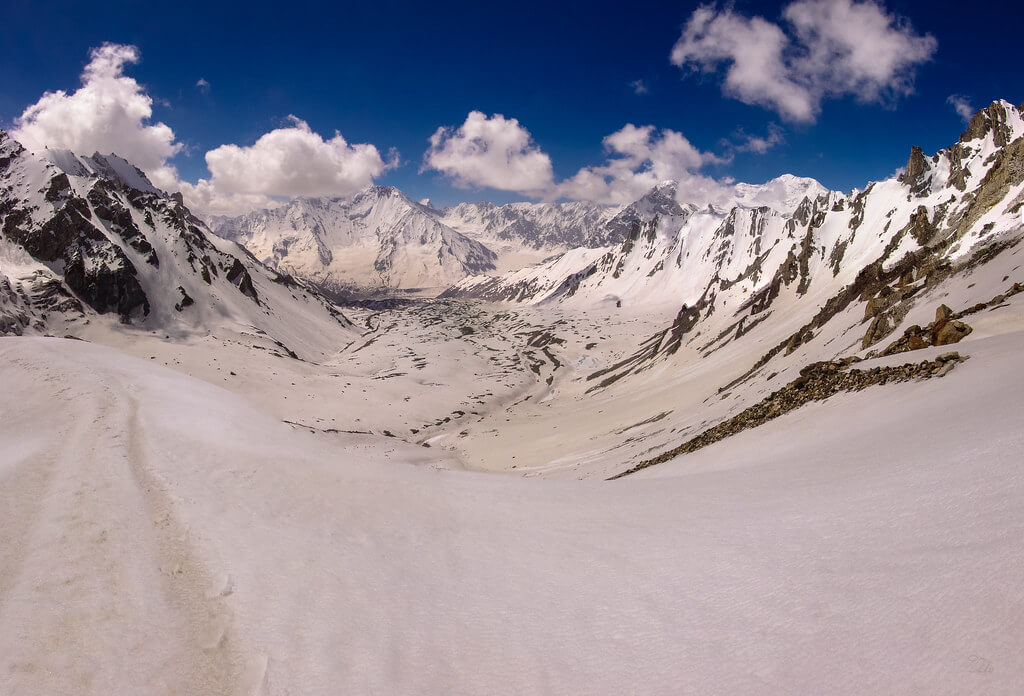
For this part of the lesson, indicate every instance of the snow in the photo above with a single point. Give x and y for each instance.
(375, 240)
(172, 524)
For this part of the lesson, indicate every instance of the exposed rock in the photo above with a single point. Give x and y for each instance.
(991, 119)
(238, 275)
(798, 339)
(914, 175)
(817, 382)
(920, 227)
(94, 267)
(941, 332)
(186, 301)
(885, 299)
(878, 329)
(1006, 172)
(118, 220)
(949, 332)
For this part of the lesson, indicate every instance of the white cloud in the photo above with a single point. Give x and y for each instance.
(294, 161)
(110, 112)
(494, 151)
(202, 85)
(203, 197)
(286, 162)
(500, 153)
(962, 107)
(760, 144)
(640, 157)
(639, 87)
(832, 48)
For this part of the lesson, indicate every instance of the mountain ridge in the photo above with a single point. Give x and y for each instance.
(89, 240)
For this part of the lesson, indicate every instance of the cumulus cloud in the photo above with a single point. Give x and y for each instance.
(962, 107)
(827, 48)
(500, 153)
(640, 157)
(295, 161)
(289, 161)
(639, 87)
(110, 112)
(491, 151)
(205, 198)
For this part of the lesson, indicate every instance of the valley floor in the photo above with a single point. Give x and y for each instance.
(166, 531)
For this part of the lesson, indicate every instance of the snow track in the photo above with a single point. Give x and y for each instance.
(96, 566)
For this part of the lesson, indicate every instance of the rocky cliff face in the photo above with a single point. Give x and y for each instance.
(44, 216)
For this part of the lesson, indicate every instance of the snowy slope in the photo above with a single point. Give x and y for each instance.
(236, 555)
(377, 239)
(89, 240)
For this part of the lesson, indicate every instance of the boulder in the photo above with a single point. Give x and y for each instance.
(950, 332)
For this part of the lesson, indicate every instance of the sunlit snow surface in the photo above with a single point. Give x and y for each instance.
(165, 536)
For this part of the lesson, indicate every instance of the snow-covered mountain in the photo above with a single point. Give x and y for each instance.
(541, 226)
(86, 240)
(839, 271)
(376, 240)
(673, 254)
(783, 193)
(380, 239)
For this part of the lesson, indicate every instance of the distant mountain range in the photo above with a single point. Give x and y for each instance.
(380, 240)
(91, 235)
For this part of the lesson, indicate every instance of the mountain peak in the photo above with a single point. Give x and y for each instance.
(999, 118)
(111, 167)
(783, 193)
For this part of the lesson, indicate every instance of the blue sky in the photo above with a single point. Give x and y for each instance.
(390, 74)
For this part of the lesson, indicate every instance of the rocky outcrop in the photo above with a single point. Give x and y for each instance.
(13, 317)
(96, 269)
(914, 174)
(945, 330)
(238, 275)
(817, 382)
(991, 119)
(118, 219)
(948, 327)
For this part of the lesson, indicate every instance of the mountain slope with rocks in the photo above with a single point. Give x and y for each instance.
(89, 241)
(749, 298)
(940, 211)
